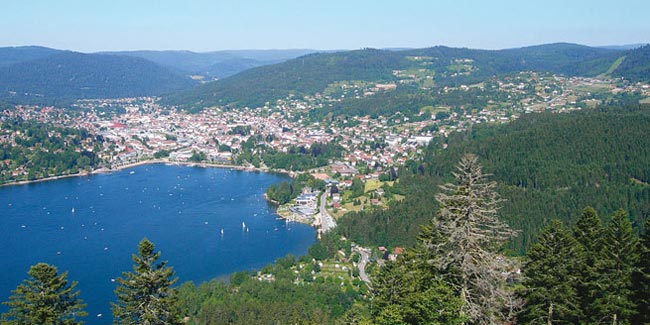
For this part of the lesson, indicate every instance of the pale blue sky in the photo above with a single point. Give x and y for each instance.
(203, 25)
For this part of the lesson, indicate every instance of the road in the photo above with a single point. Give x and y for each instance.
(363, 261)
(326, 223)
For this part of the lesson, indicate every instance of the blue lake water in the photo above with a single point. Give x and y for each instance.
(90, 227)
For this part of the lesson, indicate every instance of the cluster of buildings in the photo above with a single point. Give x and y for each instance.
(140, 128)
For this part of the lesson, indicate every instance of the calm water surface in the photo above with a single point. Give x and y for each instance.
(90, 226)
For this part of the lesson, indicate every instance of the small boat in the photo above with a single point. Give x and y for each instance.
(131, 172)
(72, 210)
(243, 225)
(221, 231)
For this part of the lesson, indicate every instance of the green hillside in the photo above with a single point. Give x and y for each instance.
(305, 75)
(635, 66)
(71, 75)
(218, 64)
(547, 166)
(313, 73)
(13, 55)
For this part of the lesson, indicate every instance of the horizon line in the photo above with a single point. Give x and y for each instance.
(635, 44)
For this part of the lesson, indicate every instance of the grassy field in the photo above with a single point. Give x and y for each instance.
(370, 186)
(614, 65)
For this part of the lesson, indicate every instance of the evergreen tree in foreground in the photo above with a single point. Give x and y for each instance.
(465, 241)
(588, 232)
(408, 291)
(144, 296)
(45, 298)
(641, 278)
(612, 293)
(551, 276)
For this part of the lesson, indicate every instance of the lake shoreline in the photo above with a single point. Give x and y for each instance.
(104, 170)
(90, 226)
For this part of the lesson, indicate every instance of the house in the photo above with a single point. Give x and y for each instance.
(305, 199)
(343, 169)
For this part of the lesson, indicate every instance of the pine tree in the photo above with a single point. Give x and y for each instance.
(551, 274)
(641, 278)
(408, 292)
(613, 288)
(45, 298)
(471, 236)
(145, 296)
(588, 232)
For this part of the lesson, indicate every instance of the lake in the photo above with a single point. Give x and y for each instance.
(90, 226)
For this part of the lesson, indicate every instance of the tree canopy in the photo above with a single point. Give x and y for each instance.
(45, 298)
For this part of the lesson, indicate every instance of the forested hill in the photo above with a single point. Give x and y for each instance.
(546, 165)
(313, 73)
(13, 55)
(635, 65)
(308, 74)
(218, 64)
(71, 75)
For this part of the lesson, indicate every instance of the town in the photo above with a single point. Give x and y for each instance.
(138, 129)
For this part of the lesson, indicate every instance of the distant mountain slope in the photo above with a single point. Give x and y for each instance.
(69, 75)
(218, 64)
(184, 62)
(452, 66)
(13, 55)
(556, 58)
(304, 75)
(623, 47)
(636, 65)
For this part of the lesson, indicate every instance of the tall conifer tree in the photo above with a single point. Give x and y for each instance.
(468, 236)
(145, 296)
(641, 278)
(45, 298)
(613, 289)
(588, 232)
(551, 274)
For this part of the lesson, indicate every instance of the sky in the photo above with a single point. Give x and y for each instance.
(210, 25)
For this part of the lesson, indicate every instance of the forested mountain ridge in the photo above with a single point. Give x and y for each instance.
(546, 166)
(304, 75)
(71, 75)
(313, 73)
(217, 64)
(635, 65)
(13, 55)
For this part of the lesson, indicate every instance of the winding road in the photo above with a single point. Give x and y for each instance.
(363, 261)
